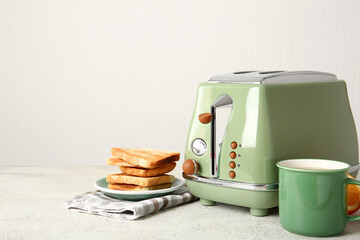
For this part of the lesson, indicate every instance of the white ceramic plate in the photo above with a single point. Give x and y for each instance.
(102, 185)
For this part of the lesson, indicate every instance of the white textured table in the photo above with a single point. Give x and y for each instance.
(32, 207)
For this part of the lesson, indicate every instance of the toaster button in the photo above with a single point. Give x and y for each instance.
(232, 174)
(233, 145)
(233, 155)
(232, 164)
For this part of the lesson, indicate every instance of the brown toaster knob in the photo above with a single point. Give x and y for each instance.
(190, 167)
(233, 145)
(205, 118)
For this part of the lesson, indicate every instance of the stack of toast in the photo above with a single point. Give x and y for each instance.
(142, 169)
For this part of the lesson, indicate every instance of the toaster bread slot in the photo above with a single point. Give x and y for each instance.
(221, 112)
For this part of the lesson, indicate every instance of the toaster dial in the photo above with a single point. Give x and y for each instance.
(199, 147)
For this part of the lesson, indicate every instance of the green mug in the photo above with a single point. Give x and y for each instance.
(313, 196)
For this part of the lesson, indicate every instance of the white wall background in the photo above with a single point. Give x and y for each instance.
(79, 77)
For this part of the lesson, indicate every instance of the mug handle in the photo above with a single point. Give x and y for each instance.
(356, 182)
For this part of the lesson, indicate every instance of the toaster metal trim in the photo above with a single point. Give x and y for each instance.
(238, 185)
(273, 77)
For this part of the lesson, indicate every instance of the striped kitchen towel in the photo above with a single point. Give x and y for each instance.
(100, 204)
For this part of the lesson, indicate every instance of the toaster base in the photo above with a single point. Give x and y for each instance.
(258, 201)
(253, 211)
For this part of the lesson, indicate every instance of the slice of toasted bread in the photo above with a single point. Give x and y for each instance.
(119, 162)
(141, 181)
(148, 172)
(145, 157)
(132, 187)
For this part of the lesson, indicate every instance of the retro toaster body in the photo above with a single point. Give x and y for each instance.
(244, 122)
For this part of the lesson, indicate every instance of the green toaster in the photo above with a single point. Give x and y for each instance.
(245, 122)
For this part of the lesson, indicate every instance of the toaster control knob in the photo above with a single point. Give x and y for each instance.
(199, 146)
(190, 167)
(205, 118)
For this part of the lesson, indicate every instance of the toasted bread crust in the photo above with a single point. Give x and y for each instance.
(134, 171)
(132, 187)
(122, 178)
(145, 157)
(119, 162)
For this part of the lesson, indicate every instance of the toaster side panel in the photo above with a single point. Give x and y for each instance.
(197, 130)
(311, 120)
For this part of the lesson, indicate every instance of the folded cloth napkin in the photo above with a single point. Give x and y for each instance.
(100, 204)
